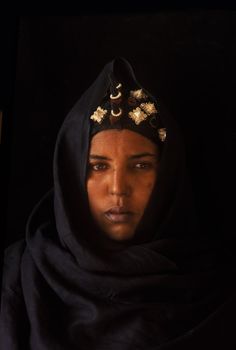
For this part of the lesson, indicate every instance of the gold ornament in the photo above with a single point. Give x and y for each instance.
(138, 94)
(162, 134)
(116, 96)
(116, 114)
(98, 115)
(137, 115)
(148, 108)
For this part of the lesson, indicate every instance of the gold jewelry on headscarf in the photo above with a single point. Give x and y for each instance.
(137, 115)
(116, 96)
(162, 134)
(149, 108)
(116, 114)
(98, 115)
(138, 94)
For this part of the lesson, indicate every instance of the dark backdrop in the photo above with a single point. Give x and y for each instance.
(187, 57)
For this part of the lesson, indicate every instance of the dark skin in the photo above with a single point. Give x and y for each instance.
(122, 174)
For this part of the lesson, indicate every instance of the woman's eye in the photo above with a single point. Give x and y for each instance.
(98, 166)
(143, 165)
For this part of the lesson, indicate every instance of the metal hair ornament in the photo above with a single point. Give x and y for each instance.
(149, 108)
(137, 115)
(139, 109)
(116, 114)
(99, 115)
(116, 96)
(138, 94)
(162, 134)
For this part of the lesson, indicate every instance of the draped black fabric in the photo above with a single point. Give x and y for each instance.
(171, 287)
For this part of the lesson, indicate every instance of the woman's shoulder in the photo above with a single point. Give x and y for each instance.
(12, 266)
(14, 250)
(13, 315)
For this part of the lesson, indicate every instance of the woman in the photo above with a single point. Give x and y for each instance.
(113, 256)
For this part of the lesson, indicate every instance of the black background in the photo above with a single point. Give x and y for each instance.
(187, 57)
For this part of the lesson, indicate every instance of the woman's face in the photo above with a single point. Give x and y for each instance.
(121, 176)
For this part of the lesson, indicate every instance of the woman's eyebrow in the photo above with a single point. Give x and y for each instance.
(141, 155)
(96, 156)
(134, 156)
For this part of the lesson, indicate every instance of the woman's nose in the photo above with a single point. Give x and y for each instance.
(119, 184)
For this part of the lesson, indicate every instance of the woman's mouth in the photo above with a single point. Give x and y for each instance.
(118, 215)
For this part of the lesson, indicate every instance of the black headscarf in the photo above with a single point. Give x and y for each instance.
(169, 288)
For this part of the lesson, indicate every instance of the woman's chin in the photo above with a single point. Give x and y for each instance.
(120, 233)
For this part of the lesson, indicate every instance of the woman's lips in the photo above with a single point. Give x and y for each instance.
(118, 215)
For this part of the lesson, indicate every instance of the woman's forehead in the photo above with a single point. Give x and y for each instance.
(123, 140)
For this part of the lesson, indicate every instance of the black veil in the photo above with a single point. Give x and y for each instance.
(167, 288)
